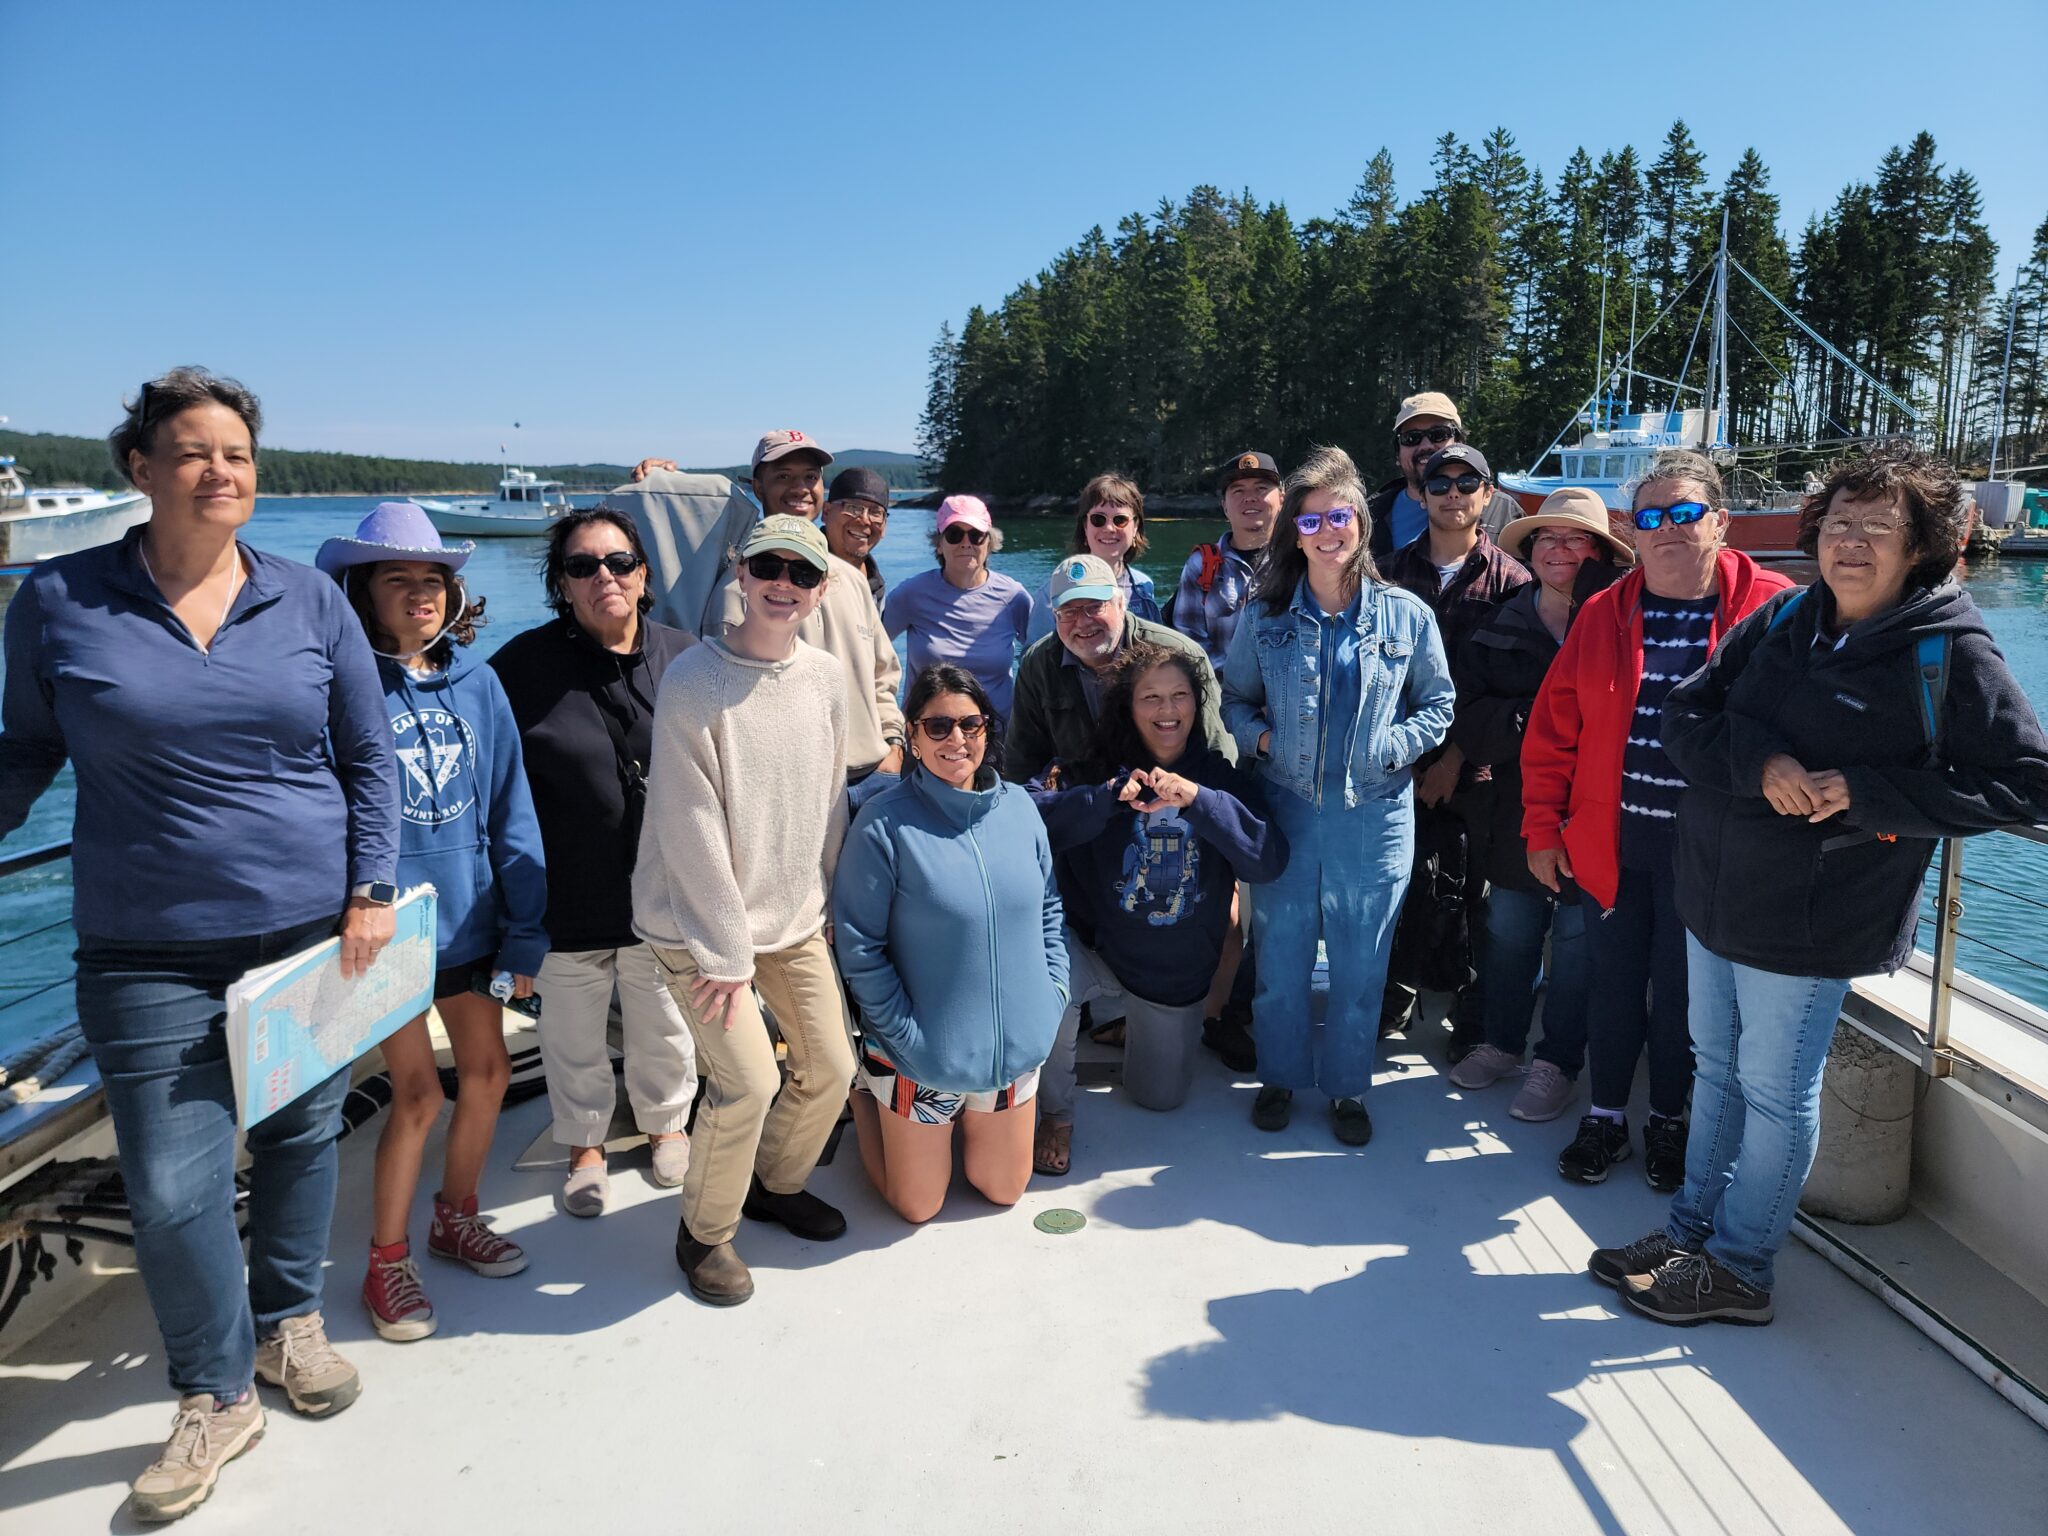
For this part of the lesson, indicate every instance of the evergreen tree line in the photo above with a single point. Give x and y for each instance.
(50, 458)
(1218, 323)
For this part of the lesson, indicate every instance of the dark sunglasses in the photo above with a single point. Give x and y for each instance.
(1436, 437)
(620, 562)
(1104, 519)
(1440, 485)
(801, 573)
(961, 531)
(1650, 519)
(1311, 523)
(939, 727)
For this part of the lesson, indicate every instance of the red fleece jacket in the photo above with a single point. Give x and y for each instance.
(1578, 729)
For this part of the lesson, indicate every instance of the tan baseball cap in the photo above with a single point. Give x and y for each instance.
(779, 445)
(1572, 506)
(790, 536)
(1428, 403)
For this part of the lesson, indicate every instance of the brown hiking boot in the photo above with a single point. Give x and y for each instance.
(718, 1276)
(298, 1358)
(204, 1438)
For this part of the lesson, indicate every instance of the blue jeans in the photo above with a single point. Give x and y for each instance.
(1761, 1040)
(1516, 922)
(154, 1015)
(1347, 871)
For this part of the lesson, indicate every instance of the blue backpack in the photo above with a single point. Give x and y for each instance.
(1930, 657)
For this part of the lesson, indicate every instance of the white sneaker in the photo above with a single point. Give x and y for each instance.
(1484, 1067)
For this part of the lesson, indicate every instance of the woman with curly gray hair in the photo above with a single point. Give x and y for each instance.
(1838, 733)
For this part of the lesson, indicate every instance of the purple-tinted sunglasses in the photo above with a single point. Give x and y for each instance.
(1311, 523)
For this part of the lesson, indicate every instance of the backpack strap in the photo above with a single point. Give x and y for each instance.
(1930, 655)
(1212, 567)
(1785, 610)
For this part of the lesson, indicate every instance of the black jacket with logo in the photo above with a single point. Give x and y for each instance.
(1841, 897)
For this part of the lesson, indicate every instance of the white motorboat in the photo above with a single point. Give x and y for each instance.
(523, 508)
(38, 523)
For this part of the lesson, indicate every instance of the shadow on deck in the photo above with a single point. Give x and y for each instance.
(1251, 1330)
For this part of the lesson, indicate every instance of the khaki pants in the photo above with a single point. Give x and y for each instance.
(575, 988)
(744, 1128)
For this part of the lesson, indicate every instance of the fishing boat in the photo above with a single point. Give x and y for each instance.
(39, 523)
(522, 509)
(1615, 447)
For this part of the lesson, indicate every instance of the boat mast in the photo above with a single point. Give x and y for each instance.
(1600, 350)
(2012, 313)
(1721, 434)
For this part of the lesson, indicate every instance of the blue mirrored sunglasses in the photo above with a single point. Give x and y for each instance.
(1649, 519)
(1311, 523)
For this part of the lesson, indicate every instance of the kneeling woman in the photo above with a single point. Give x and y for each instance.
(948, 934)
(467, 827)
(1335, 683)
(1151, 859)
(1836, 736)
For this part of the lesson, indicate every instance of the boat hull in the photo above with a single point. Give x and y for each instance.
(1764, 533)
(482, 523)
(32, 535)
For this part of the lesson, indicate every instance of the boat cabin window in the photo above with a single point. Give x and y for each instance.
(1617, 466)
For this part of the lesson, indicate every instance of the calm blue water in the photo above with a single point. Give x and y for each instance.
(35, 939)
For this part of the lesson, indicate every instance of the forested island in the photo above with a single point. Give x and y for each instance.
(54, 459)
(1219, 323)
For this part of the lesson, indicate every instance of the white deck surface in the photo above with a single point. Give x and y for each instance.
(1253, 1333)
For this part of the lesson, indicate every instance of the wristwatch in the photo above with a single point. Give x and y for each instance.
(378, 893)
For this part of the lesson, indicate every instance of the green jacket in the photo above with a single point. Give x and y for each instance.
(1049, 716)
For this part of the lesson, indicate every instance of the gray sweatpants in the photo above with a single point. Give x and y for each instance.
(1159, 1041)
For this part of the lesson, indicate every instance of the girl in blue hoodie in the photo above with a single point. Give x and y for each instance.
(468, 828)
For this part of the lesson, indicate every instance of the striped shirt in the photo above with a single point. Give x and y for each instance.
(1676, 638)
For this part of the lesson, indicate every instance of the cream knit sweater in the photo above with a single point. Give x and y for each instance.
(746, 806)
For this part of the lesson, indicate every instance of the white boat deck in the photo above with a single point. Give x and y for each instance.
(1251, 1332)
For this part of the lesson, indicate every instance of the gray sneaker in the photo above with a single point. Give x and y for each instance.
(671, 1160)
(587, 1189)
(1483, 1067)
(297, 1357)
(203, 1440)
(1546, 1094)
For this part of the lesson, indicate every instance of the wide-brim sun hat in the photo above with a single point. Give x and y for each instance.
(394, 530)
(1575, 507)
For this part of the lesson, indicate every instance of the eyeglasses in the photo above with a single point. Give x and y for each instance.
(1311, 523)
(1106, 520)
(1577, 543)
(1868, 527)
(862, 511)
(939, 727)
(620, 562)
(961, 531)
(801, 573)
(1415, 437)
(1440, 485)
(1650, 519)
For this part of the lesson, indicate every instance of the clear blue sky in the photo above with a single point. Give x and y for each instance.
(669, 227)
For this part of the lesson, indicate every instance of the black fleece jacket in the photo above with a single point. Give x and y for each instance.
(562, 683)
(1841, 898)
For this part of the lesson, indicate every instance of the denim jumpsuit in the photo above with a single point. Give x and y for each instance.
(1352, 700)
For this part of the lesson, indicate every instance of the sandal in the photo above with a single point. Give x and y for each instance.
(1052, 1149)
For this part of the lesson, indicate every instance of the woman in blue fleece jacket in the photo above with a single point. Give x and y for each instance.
(1148, 861)
(467, 828)
(948, 933)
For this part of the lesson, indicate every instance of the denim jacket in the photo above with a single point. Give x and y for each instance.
(1270, 683)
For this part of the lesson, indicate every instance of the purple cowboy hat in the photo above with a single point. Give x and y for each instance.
(394, 530)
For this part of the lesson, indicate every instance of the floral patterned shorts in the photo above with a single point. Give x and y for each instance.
(932, 1106)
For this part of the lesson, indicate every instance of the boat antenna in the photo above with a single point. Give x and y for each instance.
(1721, 331)
(1600, 353)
